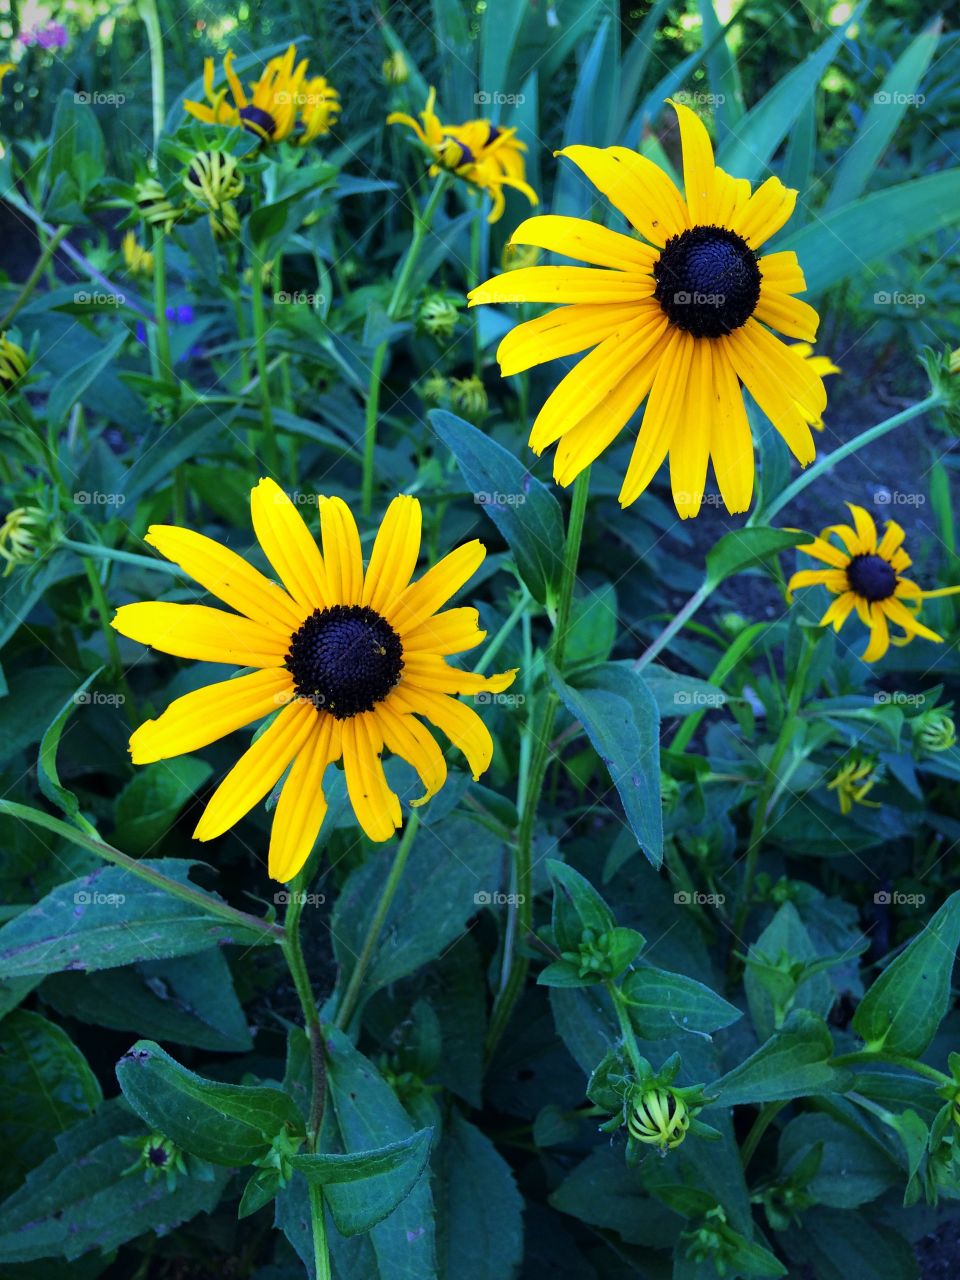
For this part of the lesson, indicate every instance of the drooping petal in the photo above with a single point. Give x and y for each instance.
(587, 241)
(902, 616)
(302, 805)
(412, 741)
(879, 636)
(342, 554)
(204, 634)
(395, 553)
(833, 578)
(660, 417)
(258, 770)
(376, 807)
(288, 544)
(839, 611)
(430, 671)
(224, 574)
(201, 717)
(731, 442)
(460, 723)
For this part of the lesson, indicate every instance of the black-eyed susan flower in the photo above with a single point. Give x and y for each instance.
(658, 1117)
(282, 104)
(853, 782)
(679, 318)
(213, 177)
(865, 574)
(138, 260)
(480, 152)
(823, 366)
(21, 535)
(13, 362)
(153, 204)
(349, 660)
(934, 731)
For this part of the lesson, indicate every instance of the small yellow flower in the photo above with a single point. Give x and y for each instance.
(345, 659)
(820, 365)
(395, 69)
(483, 154)
(866, 575)
(13, 362)
(138, 259)
(282, 104)
(659, 1118)
(852, 782)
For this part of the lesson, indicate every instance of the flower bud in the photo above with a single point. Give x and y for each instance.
(438, 316)
(658, 1117)
(13, 362)
(395, 69)
(213, 178)
(150, 201)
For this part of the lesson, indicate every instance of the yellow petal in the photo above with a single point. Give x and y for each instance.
(227, 576)
(892, 537)
(879, 637)
(460, 723)
(577, 238)
(902, 616)
(201, 717)
(782, 271)
(302, 805)
(564, 284)
(698, 165)
(642, 192)
(342, 554)
(395, 553)
(288, 544)
(206, 635)
(839, 611)
(450, 632)
(562, 332)
(376, 807)
(258, 769)
(763, 378)
(434, 589)
(596, 377)
(820, 549)
(792, 316)
(407, 738)
(765, 212)
(731, 442)
(866, 529)
(430, 671)
(730, 196)
(660, 417)
(690, 445)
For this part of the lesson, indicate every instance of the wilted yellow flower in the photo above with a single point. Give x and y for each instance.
(19, 536)
(213, 177)
(138, 259)
(13, 362)
(852, 783)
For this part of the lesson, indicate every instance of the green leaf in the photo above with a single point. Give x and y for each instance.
(903, 1009)
(793, 1063)
(364, 1187)
(430, 910)
(662, 1004)
(747, 549)
(45, 1086)
(70, 386)
(47, 774)
(228, 1124)
(883, 115)
(367, 1115)
(846, 241)
(149, 804)
(620, 718)
(834, 1244)
(525, 511)
(81, 1197)
(681, 695)
(592, 632)
(784, 935)
(852, 1169)
(187, 999)
(748, 151)
(501, 26)
(76, 158)
(110, 918)
(576, 906)
(479, 1209)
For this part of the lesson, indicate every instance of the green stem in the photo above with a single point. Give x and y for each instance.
(626, 1027)
(49, 249)
(830, 460)
(208, 904)
(677, 623)
(260, 345)
(121, 557)
(870, 1057)
(498, 641)
(293, 953)
(109, 635)
(352, 994)
(768, 1112)
(321, 1253)
(516, 971)
(151, 20)
(421, 226)
(473, 280)
(164, 367)
(759, 826)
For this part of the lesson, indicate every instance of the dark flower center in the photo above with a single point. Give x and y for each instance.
(345, 659)
(157, 1156)
(708, 281)
(258, 121)
(871, 577)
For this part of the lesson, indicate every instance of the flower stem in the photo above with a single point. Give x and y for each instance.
(421, 226)
(164, 367)
(321, 1254)
(293, 954)
(33, 278)
(626, 1026)
(206, 902)
(121, 557)
(830, 460)
(542, 733)
(352, 994)
(868, 1057)
(767, 1114)
(271, 454)
(151, 20)
(677, 623)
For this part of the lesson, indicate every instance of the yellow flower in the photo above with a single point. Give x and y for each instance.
(679, 319)
(138, 259)
(866, 575)
(659, 1118)
(5, 69)
(13, 362)
(213, 177)
(852, 782)
(350, 658)
(152, 204)
(486, 156)
(821, 365)
(280, 101)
